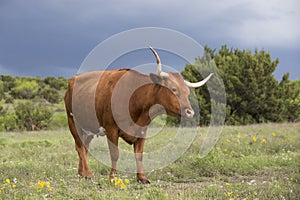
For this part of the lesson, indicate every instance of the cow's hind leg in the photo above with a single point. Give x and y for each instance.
(82, 150)
(112, 140)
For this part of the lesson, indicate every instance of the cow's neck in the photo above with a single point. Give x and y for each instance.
(147, 101)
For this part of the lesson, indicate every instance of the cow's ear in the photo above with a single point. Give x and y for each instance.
(155, 78)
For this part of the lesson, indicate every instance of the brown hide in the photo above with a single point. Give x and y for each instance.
(120, 101)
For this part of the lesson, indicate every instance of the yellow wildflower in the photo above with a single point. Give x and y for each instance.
(228, 194)
(231, 198)
(2, 188)
(122, 186)
(273, 134)
(239, 136)
(14, 186)
(30, 183)
(254, 138)
(264, 140)
(48, 184)
(126, 181)
(41, 183)
(225, 150)
(7, 180)
(228, 141)
(118, 181)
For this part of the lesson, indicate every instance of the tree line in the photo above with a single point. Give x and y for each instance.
(253, 95)
(31, 103)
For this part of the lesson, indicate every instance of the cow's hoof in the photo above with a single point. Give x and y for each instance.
(86, 176)
(144, 181)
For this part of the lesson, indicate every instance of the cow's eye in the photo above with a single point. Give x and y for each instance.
(174, 89)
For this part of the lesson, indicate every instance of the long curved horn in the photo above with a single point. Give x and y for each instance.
(198, 84)
(159, 67)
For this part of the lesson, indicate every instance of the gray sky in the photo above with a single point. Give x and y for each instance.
(52, 37)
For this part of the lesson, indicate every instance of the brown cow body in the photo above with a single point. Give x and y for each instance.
(123, 103)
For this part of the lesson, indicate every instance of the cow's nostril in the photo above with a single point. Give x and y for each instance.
(189, 113)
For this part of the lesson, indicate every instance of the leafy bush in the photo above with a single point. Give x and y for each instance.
(58, 120)
(9, 99)
(25, 89)
(7, 120)
(25, 115)
(30, 116)
(253, 94)
(2, 95)
(51, 95)
(8, 82)
(57, 83)
(2, 113)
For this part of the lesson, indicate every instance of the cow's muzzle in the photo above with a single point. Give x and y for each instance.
(188, 113)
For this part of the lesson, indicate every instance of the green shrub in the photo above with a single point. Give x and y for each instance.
(25, 89)
(9, 99)
(9, 122)
(30, 116)
(58, 120)
(2, 95)
(1, 118)
(59, 83)
(51, 95)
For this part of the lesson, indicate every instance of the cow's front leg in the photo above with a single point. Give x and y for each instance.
(138, 152)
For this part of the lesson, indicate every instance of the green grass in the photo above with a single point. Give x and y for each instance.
(44, 165)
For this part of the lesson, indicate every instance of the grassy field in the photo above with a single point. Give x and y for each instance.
(248, 162)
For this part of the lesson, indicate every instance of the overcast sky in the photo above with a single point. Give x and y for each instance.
(52, 37)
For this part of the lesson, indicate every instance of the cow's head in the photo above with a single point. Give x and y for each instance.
(174, 91)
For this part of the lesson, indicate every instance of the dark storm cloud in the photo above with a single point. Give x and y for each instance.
(52, 37)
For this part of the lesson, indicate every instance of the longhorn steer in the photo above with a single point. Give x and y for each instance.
(95, 106)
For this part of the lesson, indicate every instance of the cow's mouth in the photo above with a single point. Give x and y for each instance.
(189, 113)
(180, 115)
(186, 113)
